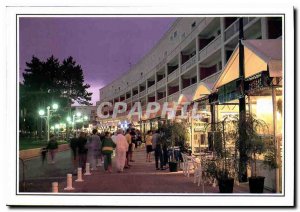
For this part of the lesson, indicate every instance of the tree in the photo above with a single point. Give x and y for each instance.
(50, 81)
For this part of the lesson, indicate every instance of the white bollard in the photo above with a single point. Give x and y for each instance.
(87, 169)
(99, 162)
(55, 187)
(69, 183)
(79, 175)
(214, 183)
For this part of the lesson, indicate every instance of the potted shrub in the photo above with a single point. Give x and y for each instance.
(174, 133)
(224, 170)
(256, 142)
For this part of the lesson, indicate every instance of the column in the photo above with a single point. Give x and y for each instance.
(197, 61)
(264, 28)
(179, 66)
(223, 52)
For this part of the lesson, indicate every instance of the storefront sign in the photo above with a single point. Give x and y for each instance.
(230, 91)
(258, 81)
(199, 126)
(203, 104)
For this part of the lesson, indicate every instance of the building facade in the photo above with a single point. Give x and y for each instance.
(192, 51)
(197, 61)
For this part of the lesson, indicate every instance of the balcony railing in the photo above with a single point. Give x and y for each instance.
(234, 27)
(151, 89)
(162, 100)
(190, 89)
(188, 64)
(161, 82)
(210, 48)
(173, 75)
(135, 97)
(212, 78)
(174, 97)
(143, 93)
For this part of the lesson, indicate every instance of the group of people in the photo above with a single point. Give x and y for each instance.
(98, 148)
(155, 144)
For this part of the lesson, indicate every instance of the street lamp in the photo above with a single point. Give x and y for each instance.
(48, 116)
(78, 114)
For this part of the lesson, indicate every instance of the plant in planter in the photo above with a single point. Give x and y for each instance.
(174, 134)
(224, 170)
(256, 142)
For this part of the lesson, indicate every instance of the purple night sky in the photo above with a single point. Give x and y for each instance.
(104, 47)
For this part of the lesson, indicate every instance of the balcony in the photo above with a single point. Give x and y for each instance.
(188, 64)
(162, 100)
(143, 93)
(173, 75)
(151, 89)
(174, 97)
(234, 27)
(212, 78)
(135, 97)
(190, 89)
(161, 82)
(210, 48)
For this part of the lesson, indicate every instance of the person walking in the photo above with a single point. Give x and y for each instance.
(74, 149)
(128, 153)
(148, 146)
(121, 149)
(157, 147)
(52, 147)
(107, 149)
(94, 149)
(133, 145)
(82, 150)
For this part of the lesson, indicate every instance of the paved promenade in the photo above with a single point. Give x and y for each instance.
(142, 177)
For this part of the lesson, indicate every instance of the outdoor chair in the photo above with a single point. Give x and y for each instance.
(197, 171)
(188, 164)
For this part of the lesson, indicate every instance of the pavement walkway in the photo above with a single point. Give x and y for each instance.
(142, 177)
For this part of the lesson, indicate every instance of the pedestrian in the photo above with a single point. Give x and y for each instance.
(157, 147)
(74, 149)
(128, 153)
(52, 147)
(165, 154)
(94, 149)
(44, 154)
(133, 144)
(121, 149)
(148, 146)
(82, 150)
(107, 149)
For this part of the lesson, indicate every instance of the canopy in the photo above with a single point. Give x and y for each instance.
(202, 90)
(259, 55)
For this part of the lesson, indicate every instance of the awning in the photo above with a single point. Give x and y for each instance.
(202, 90)
(259, 55)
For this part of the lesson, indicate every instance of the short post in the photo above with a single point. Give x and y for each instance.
(87, 169)
(55, 187)
(69, 183)
(79, 175)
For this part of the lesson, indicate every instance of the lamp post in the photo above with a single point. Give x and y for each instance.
(78, 114)
(48, 116)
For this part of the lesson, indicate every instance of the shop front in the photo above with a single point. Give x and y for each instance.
(262, 90)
